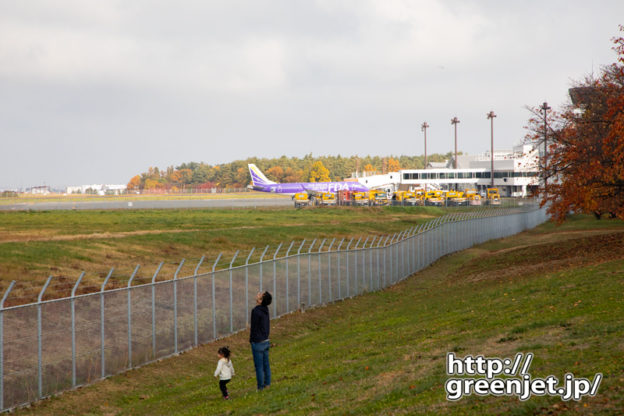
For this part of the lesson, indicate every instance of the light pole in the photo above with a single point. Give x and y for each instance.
(491, 116)
(545, 109)
(454, 122)
(424, 128)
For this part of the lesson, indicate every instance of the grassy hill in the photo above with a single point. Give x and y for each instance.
(554, 291)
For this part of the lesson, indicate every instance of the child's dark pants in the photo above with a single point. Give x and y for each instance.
(223, 387)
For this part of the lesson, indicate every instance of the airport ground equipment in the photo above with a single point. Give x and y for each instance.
(434, 198)
(327, 198)
(302, 199)
(360, 198)
(456, 198)
(403, 198)
(493, 197)
(473, 197)
(377, 197)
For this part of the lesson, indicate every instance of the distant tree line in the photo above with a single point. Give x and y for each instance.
(309, 168)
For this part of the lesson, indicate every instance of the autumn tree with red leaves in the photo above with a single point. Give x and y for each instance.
(583, 170)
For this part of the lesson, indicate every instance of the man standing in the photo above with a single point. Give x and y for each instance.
(259, 339)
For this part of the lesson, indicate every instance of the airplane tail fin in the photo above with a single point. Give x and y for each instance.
(257, 177)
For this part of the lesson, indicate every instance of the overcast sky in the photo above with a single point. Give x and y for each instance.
(95, 91)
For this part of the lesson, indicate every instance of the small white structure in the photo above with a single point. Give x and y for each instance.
(97, 189)
(39, 190)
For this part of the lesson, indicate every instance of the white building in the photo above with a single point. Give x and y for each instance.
(515, 174)
(99, 189)
(39, 190)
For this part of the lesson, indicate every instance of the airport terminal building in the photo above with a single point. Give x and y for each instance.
(516, 174)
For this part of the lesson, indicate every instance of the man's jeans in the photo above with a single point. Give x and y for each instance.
(260, 351)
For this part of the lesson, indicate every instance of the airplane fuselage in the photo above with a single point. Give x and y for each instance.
(296, 187)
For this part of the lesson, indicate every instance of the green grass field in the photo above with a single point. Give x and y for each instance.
(555, 291)
(34, 245)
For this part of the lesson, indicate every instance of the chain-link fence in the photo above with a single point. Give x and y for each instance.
(55, 345)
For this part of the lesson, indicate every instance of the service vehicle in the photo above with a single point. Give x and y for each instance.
(434, 198)
(302, 199)
(456, 198)
(493, 197)
(327, 198)
(360, 198)
(378, 198)
(472, 196)
(405, 198)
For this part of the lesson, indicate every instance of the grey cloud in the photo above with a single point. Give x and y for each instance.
(97, 91)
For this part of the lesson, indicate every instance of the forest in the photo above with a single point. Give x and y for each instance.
(199, 175)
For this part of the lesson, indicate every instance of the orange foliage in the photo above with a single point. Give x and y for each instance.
(135, 183)
(584, 167)
(393, 165)
(276, 173)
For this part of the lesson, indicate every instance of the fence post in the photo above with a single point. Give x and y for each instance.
(214, 306)
(348, 252)
(231, 294)
(339, 266)
(413, 250)
(261, 265)
(195, 323)
(396, 260)
(405, 258)
(154, 309)
(319, 272)
(370, 261)
(4, 298)
(103, 359)
(392, 257)
(39, 339)
(401, 252)
(275, 278)
(329, 291)
(287, 253)
(73, 327)
(129, 289)
(247, 287)
(428, 243)
(421, 248)
(299, 273)
(364, 262)
(175, 306)
(355, 271)
(310, 272)
(378, 261)
(385, 249)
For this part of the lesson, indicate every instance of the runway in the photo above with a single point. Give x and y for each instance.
(151, 204)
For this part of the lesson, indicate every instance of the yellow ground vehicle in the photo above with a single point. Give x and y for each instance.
(327, 198)
(377, 197)
(456, 198)
(360, 198)
(404, 198)
(419, 194)
(493, 197)
(302, 199)
(410, 198)
(398, 198)
(472, 196)
(435, 198)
